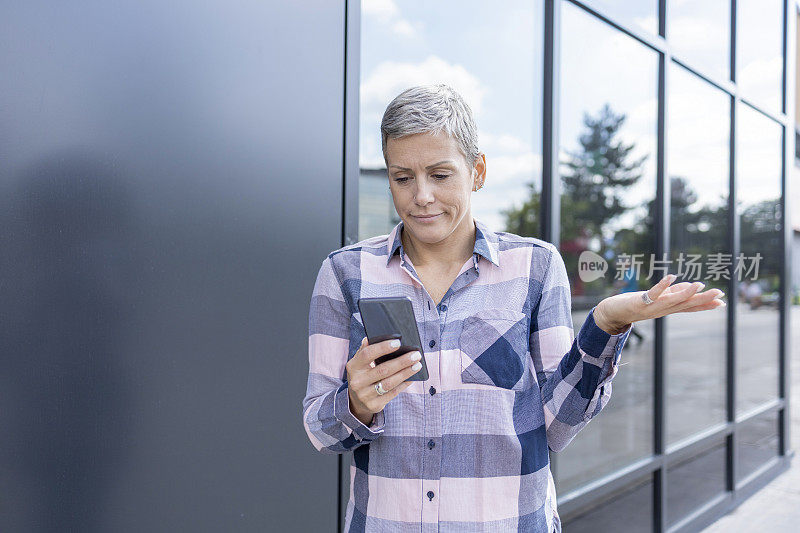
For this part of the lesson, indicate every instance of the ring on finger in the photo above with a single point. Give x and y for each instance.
(379, 389)
(646, 298)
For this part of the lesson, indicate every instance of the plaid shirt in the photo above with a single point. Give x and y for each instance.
(466, 450)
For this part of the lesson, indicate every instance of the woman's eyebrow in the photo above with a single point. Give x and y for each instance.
(447, 162)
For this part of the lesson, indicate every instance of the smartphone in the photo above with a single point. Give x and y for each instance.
(393, 318)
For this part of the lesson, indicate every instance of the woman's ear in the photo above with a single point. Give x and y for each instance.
(479, 171)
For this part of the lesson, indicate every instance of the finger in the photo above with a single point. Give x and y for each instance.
(713, 304)
(358, 357)
(365, 342)
(371, 352)
(679, 297)
(386, 398)
(391, 367)
(699, 299)
(655, 291)
(675, 287)
(396, 378)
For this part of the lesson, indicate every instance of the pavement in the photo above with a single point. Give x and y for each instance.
(776, 507)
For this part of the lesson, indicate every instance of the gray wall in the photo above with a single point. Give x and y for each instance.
(170, 181)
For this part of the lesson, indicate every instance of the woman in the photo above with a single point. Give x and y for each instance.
(468, 448)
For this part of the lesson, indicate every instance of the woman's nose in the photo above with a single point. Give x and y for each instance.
(424, 195)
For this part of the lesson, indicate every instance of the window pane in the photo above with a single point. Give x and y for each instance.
(641, 15)
(698, 165)
(694, 483)
(758, 443)
(608, 147)
(405, 44)
(758, 161)
(700, 33)
(629, 510)
(759, 56)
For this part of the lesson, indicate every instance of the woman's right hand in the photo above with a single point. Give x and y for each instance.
(363, 374)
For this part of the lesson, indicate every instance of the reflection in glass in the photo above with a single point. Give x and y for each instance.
(404, 44)
(757, 444)
(694, 483)
(700, 34)
(758, 174)
(641, 15)
(629, 510)
(698, 164)
(759, 56)
(608, 127)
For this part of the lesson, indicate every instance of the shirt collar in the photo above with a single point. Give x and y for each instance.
(486, 243)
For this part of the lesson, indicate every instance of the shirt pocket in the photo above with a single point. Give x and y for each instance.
(493, 346)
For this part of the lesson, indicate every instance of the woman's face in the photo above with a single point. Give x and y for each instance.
(431, 184)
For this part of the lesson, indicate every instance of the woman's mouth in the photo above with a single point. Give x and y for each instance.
(426, 218)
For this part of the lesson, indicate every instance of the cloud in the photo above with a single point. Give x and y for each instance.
(381, 10)
(501, 143)
(758, 157)
(390, 78)
(387, 13)
(648, 23)
(513, 168)
(761, 80)
(404, 28)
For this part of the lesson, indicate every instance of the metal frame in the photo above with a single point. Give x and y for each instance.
(350, 173)
(737, 490)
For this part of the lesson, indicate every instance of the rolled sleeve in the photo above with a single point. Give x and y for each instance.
(361, 432)
(598, 343)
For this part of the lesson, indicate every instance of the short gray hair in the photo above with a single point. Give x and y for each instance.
(431, 109)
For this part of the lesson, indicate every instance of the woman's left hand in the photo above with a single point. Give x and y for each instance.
(616, 313)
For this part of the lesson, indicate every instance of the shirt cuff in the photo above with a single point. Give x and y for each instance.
(341, 410)
(598, 343)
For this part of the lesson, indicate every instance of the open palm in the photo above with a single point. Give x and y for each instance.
(684, 297)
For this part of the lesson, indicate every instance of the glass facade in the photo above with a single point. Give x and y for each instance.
(608, 126)
(758, 443)
(668, 154)
(639, 16)
(700, 32)
(758, 208)
(626, 510)
(695, 482)
(698, 162)
(759, 52)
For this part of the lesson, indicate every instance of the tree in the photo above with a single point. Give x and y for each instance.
(596, 178)
(525, 219)
(594, 182)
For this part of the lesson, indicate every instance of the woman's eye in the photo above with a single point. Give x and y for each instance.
(400, 180)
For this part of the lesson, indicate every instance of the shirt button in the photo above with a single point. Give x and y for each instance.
(432, 343)
(432, 391)
(431, 444)
(430, 495)
(443, 308)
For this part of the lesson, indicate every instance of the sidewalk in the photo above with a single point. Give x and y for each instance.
(776, 507)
